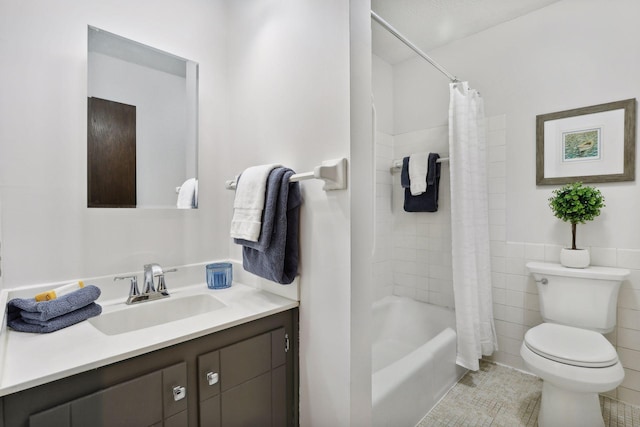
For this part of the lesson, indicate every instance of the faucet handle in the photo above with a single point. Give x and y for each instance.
(162, 286)
(133, 290)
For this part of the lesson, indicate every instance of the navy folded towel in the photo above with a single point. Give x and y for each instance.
(278, 259)
(404, 174)
(427, 201)
(29, 315)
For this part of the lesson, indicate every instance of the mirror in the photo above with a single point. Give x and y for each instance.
(142, 120)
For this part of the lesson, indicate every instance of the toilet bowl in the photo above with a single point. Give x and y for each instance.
(568, 352)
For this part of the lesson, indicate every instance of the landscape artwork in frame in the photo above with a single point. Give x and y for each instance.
(581, 145)
(589, 144)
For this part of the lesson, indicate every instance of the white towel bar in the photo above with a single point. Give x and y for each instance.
(332, 172)
(397, 164)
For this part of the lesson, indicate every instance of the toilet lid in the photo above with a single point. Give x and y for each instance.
(572, 346)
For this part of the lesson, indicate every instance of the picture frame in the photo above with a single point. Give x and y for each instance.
(589, 144)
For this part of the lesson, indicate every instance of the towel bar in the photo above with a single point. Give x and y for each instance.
(332, 172)
(397, 164)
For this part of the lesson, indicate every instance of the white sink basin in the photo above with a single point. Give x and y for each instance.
(153, 313)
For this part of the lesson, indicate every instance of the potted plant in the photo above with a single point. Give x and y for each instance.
(576, 203)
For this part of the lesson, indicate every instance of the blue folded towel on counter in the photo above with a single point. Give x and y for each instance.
(22, 324)
(29, 315)
(427, 201)
(276, 256)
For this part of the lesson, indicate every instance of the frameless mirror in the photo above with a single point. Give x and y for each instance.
(142, 121)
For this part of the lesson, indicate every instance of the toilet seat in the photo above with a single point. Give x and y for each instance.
(571, 346)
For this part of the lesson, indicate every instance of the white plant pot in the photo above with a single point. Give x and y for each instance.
(575, 258)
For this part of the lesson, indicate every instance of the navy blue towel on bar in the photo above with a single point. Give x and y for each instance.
(276, 255)
(427, 201)
(404, 174)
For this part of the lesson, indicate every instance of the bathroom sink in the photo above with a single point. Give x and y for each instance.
(148, 314)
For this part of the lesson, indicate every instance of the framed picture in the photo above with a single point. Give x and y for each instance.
(589, 144)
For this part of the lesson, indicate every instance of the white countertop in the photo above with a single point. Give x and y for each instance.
(28, 360)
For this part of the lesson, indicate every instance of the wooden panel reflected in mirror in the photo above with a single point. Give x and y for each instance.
(111, 154)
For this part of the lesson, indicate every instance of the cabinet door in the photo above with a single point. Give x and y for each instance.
(251, 383)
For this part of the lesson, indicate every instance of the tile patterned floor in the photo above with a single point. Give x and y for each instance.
(498, 396)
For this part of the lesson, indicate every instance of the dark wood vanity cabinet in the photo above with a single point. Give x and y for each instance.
(242, 376)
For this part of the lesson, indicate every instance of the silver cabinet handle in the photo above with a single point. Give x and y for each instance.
(212, 378)
(179, 393)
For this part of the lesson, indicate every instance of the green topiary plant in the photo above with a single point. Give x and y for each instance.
(576, 203)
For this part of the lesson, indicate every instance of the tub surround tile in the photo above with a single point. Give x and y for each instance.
(628, 258)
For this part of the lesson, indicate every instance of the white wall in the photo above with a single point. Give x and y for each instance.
(48, 233)
(289, 103)
(571, 54)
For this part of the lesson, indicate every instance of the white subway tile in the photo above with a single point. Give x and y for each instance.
(510, 330)
(516, 282)
(628, 318)
(497, 185)
(552, 253)
(628, 338)
(404, 291)
(629, 298)
(514, 314)
(629, 396)
(497, 169)
(630, 358)
(634, 279)
(534, 251)
(499, 296)
(532, 318)
(497, 232)
(515, 266)
(631, 379)
(404, 280)
(498, 264)
(509, 345)
(606, 257)
(514, 298)
(497, 217)
(515, 249)
(531, 302)
(629, 258)
(498, 201)
(497, 122)
(498, 248)
(497, 153)
(498, 280)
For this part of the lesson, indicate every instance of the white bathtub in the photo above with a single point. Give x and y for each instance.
(413, 360)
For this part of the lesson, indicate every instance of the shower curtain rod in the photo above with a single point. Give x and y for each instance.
(413, 47)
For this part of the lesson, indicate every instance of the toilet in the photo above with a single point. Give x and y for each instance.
(568, 350)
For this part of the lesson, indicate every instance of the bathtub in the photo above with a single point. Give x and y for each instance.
(413, 359)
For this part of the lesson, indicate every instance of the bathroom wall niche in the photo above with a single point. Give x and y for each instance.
(142, 118)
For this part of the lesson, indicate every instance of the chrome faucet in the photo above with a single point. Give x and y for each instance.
(149, 291)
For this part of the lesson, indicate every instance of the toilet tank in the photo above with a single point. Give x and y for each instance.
(581, 297)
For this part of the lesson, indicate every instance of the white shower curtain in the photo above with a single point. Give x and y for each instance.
(470, 226)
